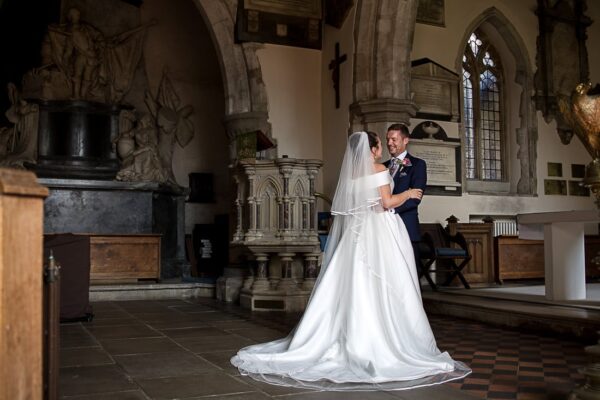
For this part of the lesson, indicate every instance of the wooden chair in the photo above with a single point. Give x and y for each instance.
(436, 246)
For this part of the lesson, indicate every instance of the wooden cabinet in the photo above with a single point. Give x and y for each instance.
(479, 237)
(519, 259)
(524, 259)
(119, 258)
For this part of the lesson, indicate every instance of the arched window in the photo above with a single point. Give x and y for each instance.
(482, 117)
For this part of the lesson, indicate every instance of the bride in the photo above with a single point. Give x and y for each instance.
(364, 327)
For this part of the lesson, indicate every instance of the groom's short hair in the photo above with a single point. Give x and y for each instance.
(400, 127)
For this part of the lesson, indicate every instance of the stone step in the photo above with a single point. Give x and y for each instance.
(151, 291)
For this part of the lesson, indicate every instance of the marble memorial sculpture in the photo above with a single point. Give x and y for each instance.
(150, 155)
(18, 143)
(85, 75)
(81, 63)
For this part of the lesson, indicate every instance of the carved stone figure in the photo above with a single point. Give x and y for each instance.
(143, 162)
(93, 66)
(81, 53)
(124, 143)
(18, 144)
(173, 121)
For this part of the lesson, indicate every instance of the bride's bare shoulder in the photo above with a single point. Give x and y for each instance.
(379, 167)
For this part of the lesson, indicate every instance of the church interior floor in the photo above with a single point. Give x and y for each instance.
(180, 349)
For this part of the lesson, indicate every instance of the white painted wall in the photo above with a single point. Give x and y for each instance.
(292, 77)
(336, 121)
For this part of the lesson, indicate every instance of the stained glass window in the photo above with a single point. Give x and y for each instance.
(482, 113)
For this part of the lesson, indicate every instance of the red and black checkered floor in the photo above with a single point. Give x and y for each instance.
(506, 363)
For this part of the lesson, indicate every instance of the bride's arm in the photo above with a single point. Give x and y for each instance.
(389, 200)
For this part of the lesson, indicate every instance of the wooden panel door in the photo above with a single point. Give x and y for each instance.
(479, 237)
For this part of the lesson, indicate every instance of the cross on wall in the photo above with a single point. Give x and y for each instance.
(334, 65)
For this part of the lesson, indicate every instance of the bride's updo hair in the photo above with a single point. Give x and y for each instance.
(373, 139)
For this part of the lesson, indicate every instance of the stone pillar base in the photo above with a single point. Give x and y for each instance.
(228, 289)
(274, 301)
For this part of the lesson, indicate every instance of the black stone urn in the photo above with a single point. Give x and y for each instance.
(75, 139)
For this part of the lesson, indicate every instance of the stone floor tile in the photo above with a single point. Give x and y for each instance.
(187, 321)
(193, 386)
(222, 360)
(96, 379)
(273, 390)
(258, 334)
(139, 345)
(98, 322)
(74, 335)
(84, 357)
(191, 308)
(128, 395)
(157, 365)
(100, 315)
(123, 332)
(235, 324)
(214, 343)
(192, 332)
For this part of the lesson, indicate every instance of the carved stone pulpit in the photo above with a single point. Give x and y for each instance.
(277, 228)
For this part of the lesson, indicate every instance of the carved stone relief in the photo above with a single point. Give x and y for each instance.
(80, 62)
(562, 58)
(154, 137)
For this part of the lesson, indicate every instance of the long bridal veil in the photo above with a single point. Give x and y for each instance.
(354, 196)
(364, 327)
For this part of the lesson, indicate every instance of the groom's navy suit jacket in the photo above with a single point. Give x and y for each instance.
(413, 177)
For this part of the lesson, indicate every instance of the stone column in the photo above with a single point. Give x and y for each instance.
(249, 281)
(286, 284)
(285, 169)
(251, 201)
(261, 281)
(381, 84)
(312, 167)
(310, 270)
(305, 216)
(239, 203)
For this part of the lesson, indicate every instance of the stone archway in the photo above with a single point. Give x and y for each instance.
(246, 104)
(383, 37)
(526, 133)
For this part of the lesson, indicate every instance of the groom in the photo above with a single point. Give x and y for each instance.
(408, 172)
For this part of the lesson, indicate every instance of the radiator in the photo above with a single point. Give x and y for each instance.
(505, 228)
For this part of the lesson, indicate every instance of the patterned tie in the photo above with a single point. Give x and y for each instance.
(394, 165)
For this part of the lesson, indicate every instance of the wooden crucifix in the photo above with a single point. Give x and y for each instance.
(334, 65)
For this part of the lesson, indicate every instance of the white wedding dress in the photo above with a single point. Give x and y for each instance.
(364, 327)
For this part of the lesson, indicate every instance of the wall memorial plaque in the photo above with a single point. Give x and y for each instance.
(442, 155)
(555, 187)
(555, 169)
(435, 91)
(431, 12)
(286, 22)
